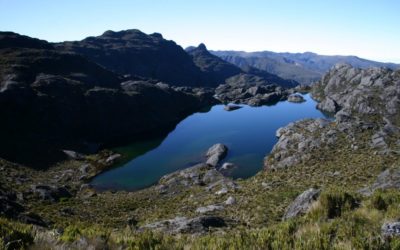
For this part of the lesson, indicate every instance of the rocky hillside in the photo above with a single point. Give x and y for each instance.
(52, 100)
(136, 53)
(365, 104)
(304, 68)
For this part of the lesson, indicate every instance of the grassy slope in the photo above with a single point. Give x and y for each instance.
(255, 220)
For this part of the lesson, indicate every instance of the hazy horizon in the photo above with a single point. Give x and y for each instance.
(367, 29)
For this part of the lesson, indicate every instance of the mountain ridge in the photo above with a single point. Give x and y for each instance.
(304, 67)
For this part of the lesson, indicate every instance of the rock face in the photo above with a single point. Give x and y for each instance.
(362, 96)
(296, 98)
(180, 225)
(388, 179)
(216, 153)
(52, 100)
(302, 203)
(361, 100)
(328, 105)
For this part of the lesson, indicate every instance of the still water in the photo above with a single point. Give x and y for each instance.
(249, 133)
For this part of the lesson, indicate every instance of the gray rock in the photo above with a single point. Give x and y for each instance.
(200, 174)
(230, 201)
(74, 155)
(197, 225)
(212, 176)
(222, 191)
(216, 153)
(328, 105)
(51, 193)
(112, 158)
(209, 208)
(227, 168)
(302, 203)
(231, 107)
(296, 98)
(378, 140)
(162, 85)
(390, 229)
(251, 90)
(388, 179)
(84, 169)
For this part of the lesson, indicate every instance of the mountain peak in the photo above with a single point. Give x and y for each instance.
(202, 46)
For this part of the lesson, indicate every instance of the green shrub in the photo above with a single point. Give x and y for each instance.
(14, 235)
(378, 202)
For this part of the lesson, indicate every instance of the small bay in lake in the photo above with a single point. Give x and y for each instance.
(249, 133)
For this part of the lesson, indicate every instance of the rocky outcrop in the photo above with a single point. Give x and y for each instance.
(202, 174)
(363, 96)
(388, 179)
(250, 90)
(302, 203)
(179, 225)
(216, 153)
(296, 98)
(297, 140)
(328, 105)
(364, 102)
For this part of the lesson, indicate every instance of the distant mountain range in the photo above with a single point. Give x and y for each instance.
(304, 68)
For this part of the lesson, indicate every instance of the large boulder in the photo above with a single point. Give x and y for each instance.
(328, 105)
(216, 153)
(209, 208)
(186, 225)
(200, 174)
(388, 179)
(302, 203)
(51, 193)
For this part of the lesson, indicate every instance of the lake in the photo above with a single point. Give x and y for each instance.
(249, 133)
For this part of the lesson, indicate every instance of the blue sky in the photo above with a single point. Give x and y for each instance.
(366, 28)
